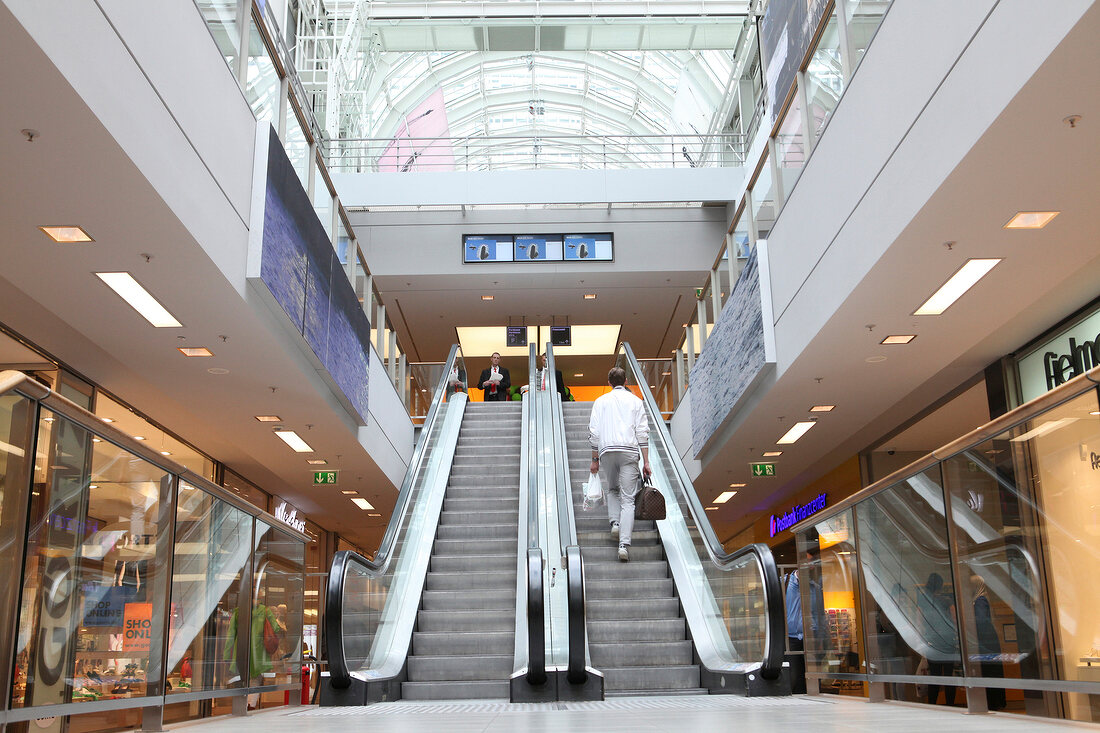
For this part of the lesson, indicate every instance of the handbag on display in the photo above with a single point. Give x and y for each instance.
(650, 503)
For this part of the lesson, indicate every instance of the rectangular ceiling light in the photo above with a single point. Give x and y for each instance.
(194, 351)
(772, 453)
(724, 497)
(139, 299)
(1047, 427)
(899, 339)
(1031, 219)
(967, 276)
(350, 493)
(268, 418)
(487, 297)
(317, 462)
(737, 486)
(296, 443)
(797, 431)
(66, 234)
(712, 508)
(374, 515)
(589, 296)
(822, 408)
(362, 503)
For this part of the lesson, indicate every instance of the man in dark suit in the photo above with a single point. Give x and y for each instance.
(557, 375)
(495, 381)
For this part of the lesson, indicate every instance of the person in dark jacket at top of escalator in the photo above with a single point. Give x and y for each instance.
(495, 380)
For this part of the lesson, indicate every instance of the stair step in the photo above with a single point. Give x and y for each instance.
(479, 547)
(483, 486)
(501, 579)
(453, 690)
(448, 643)
(634, 608)
(497, 667)
(651, 678)
(598, 571)
(641, 654)
(645, 553)
(641, 588)
(477, 532)
(458, 502)
(662, 629)
(503, 619)
(603, 536)
(654, 693)
(472, 563)
(471, 599)
(486, 516)
(496, 469)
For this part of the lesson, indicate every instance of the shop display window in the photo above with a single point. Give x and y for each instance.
(94, 587)
(275, 635)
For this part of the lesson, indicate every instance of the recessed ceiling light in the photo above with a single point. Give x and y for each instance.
(194, 351)
(268, 418)
(899, 339)
(712, 508)
(292, 439)
(139, 437)
(487, 297)
(218, 370)
(96, 440)
(48, 419)
(578, 375)
(772, 453)
(875, 359)
(165, 453)
(317, 462)
(737, 486)
(93, 486)
(352, 493)
(374, 515)
(1031, 219)
(1095, 412)
(589, 296)
(362, 503)
(107, 419)
(66, 234)
(797, 430)
(967, 276)
(724, 497)
(666, 374)
(822, 408)
(139, 299)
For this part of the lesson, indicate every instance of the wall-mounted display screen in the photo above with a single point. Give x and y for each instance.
(478, 248)
(588, 247)
(517, 336)
(487, 248)
(561, 336)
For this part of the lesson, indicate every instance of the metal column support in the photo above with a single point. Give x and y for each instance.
(847, 53)
(750, 220)
(334, 221)
(284, 104)
(678, 369)
(777, 179)
(716, 290)
(380, 331)
(402, 382)
(732, 262)
(244, 19)
(701, 317)
(311, 170)
(391, 357)
(368, 295)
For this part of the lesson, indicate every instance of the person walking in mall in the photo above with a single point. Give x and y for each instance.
(495, 380)
(618, 432)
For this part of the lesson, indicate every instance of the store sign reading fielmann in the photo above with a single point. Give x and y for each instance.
(1074, 351)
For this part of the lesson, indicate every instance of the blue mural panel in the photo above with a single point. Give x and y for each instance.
(733, 358)
(304, 275)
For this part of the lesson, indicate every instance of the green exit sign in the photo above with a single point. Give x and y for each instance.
(325, 478)
(763, 469)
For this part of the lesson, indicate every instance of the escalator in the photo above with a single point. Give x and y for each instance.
(682, 616)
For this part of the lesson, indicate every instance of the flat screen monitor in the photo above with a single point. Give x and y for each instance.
(517, 336)
(561, 336)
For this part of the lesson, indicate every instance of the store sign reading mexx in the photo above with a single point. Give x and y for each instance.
(1072, 352)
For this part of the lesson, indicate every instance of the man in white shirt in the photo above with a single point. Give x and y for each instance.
(618, 431)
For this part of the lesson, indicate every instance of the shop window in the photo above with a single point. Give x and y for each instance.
(125, 419)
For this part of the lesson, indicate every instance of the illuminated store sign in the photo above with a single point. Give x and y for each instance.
(288, 515)
(796, 515)
(1074, 351)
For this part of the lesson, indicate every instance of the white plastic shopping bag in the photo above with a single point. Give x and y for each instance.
(593, 492)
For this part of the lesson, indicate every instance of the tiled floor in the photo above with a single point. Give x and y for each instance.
(633, 715)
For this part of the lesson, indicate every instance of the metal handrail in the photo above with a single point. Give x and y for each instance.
(340, 675)
(536, 612)
(1063, 393)
(772, 664)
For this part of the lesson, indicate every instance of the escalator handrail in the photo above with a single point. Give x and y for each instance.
(536, 612)
(577, 670)
(339, 673)
(401, 506)
(774, 643)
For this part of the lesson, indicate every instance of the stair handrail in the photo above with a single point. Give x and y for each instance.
(776, 622)
(340, 675)
(536, 611)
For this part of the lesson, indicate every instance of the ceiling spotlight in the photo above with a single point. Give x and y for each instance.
(165, 453)
(107, 419)
(1031, 219)
(66, 234)
(139, 437)
(901, 339)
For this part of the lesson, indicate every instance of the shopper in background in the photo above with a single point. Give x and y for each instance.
(618, 432)
(495, 380)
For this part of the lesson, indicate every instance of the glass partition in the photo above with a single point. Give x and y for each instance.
(297, 149)
(863, 19)
(261, 85)
(94, 588)
(212, 560)
(764, 204)
(825, 77)
(790, 148)
(969, 580)
(275, 631)
(221, 19)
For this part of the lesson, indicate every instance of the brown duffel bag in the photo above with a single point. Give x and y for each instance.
(650, 503)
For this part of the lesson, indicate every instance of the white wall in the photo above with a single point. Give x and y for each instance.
(388, 434)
